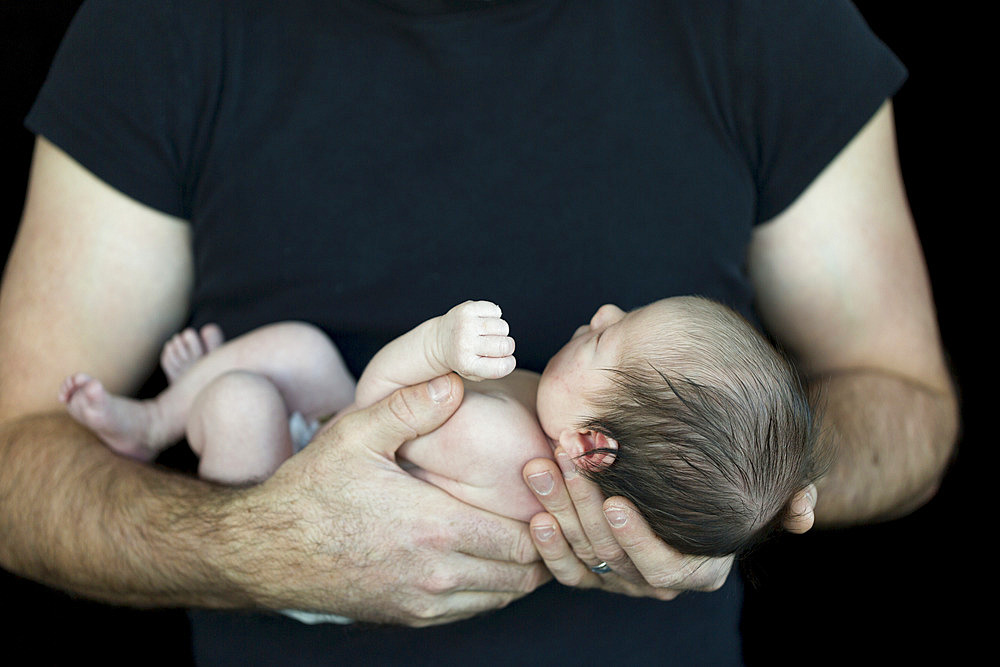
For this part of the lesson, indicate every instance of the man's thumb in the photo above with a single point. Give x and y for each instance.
(412, 411)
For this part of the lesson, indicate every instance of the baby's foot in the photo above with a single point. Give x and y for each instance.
(122, 423)
(474, 343)
(187, 347)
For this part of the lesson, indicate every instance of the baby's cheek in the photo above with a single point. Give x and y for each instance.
(550, 403)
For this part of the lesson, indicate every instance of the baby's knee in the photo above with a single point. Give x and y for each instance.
(236, 397)
(238, 387)
(236, 407)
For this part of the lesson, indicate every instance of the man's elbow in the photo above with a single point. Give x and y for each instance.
(944, 428)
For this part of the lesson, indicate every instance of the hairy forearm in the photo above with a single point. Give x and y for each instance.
(889, 440)
(78, 517)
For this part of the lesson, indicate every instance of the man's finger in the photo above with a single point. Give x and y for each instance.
(589, 500)
(571, 571)
(472, 574)
(407, 413)
(545, 479)
(661, 565)
(800, 510)
(558, 555)
(489, 536)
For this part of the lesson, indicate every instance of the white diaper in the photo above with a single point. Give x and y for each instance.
(302, 430)
(312, 619)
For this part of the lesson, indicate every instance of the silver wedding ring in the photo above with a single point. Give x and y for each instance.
(600, 568)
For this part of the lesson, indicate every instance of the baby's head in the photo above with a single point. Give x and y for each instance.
(684, 408)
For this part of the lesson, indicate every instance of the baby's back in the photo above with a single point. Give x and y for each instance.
(477, 456)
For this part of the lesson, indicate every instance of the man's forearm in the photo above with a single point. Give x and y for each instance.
(338, 528)
(78, 517)
(890, 442)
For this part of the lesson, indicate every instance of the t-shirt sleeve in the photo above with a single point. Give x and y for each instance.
(816, 74)
(124, 98)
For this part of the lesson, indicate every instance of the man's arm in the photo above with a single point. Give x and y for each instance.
(98, 281)
(470, 339)
(92, 276)
(841, 283)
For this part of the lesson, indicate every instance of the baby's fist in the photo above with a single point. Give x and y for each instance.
(474, 342)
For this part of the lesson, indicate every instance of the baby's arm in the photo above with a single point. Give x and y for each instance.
(470, 339)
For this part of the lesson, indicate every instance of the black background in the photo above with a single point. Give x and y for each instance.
(916, 588)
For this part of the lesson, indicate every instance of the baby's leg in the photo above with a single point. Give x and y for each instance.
(238, 426)
(138, 429)
(297, 358)
(130, 427)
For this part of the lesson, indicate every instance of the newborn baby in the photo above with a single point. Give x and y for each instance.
(680, 406)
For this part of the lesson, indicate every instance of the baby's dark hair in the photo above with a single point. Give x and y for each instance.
(715, 432)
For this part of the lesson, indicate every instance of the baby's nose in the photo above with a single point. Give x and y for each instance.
(604, 315)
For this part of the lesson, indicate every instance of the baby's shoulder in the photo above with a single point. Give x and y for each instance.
(502, 409)
(519, 389)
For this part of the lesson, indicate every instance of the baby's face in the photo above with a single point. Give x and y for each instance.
(579, 369)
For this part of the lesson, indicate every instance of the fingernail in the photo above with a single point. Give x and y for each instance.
(541, 482)
(439, 389)
(616, 517)
(544, 533)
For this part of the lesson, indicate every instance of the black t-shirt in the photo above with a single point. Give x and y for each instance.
(365, 165)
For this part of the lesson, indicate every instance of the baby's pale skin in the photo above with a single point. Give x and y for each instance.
(243, 391)
(508, 417)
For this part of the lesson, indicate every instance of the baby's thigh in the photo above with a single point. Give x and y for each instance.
(238, 426)
(305, 365)
(477, 456)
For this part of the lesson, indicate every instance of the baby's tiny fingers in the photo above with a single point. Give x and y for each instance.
(490, 368)
(481, 308)
(494, 346)
(493, 326)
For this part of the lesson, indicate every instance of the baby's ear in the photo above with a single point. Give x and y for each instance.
(589, 449)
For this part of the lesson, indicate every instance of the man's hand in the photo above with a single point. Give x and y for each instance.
(581, 529)
(341, 528)
(801, 511)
